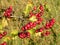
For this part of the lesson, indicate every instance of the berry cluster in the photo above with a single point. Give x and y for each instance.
(24, 34)
(4, 43)
(50, 23)
(39, 19)
(40, 30)
(40, 13)
(46, 33)
(30, 25)
(3, 34)
(8, 11)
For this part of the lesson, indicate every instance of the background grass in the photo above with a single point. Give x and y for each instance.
(52, 10)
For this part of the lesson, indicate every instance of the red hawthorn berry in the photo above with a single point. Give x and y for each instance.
(23, 29)
(1, 36)
(37, 31)
(53, 20)
(10, 7)
(31, 23)
(47, 25)
(26, 28)
(51, 23)
(31, 14)
(22, 35)
(34, 8)
(47, 33)
(40, 19)
(38, 22)
(4, 43)
(41, 13)
(38, 15)
(4, 33)
(41, 30)
(41, 7)
(27, 34)
(8, 11)
(34, 24)
(28, 25)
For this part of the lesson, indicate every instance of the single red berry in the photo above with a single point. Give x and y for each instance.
(41, 30)
(10, 7)
(37, 31)
(4, 43)
(27, 34)
(8, 11)
(34, 24)
(4, 33)
(23, 29)
(1, 36)
(22, 35)
(47, 33)
(41, 7)
(26, 28)
(31, 23)
(40, 19)
(34, 8)
(53, 20)
(38, 22)
(47, 25)
(38, 15)
(28, 25)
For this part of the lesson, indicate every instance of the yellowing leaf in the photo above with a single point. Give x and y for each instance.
(27, 9)
(38, 34)
(4, 22)
(33, 18)
(14, 32)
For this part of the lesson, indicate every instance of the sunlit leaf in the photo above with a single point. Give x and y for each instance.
(4, 22)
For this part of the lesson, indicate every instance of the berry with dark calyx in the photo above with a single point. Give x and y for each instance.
(27, 34)
(37, 31)
(4, 33)
(41, 29)
(1, 36)
(41, 7)
(4, 43)
(47, 33)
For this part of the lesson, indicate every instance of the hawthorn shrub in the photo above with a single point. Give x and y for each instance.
(29, 22)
